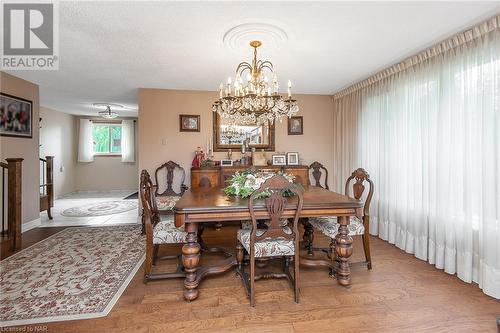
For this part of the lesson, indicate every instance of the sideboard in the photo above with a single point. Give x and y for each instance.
(217, 176)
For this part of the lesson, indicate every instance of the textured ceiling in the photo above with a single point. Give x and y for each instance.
(109, 49)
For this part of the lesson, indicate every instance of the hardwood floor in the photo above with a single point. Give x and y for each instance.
(400, 294)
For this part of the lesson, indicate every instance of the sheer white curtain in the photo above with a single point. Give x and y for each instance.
(430, 138)
(85, 142)
(128, 141)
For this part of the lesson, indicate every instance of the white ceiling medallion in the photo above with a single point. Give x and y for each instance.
(238, 37)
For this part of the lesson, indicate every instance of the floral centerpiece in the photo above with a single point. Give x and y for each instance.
(245, 183)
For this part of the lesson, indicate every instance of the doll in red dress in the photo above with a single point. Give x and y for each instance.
(198, 157)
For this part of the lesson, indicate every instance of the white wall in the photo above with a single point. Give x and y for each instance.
(106, 172)
(57, 138)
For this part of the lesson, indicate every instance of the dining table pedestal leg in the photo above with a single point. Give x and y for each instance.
(191, 261)
(308, 237)
(343, 248)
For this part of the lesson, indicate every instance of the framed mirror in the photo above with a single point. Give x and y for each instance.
(231, 136)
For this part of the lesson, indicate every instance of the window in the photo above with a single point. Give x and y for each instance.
(107, 139)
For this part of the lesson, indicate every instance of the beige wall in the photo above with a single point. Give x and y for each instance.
(106, 172)
(57, 138)
(159, 111)
(26, 148)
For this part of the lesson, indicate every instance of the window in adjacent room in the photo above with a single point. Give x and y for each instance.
(107, 138)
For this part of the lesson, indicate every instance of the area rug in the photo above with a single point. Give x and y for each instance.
(77, 273)
(100, 209)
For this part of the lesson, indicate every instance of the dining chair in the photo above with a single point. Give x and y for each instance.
(278, 241)
(317, 169)
(329, 226)
(158, 231)
(166, 200)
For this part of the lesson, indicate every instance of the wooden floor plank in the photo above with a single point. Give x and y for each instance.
(400, 294)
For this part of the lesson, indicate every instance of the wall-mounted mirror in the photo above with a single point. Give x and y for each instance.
(229, 135)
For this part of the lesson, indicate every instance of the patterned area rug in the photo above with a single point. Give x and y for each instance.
(99, 209)
(75, 274)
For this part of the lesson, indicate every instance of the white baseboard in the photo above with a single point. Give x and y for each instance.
(30, 225)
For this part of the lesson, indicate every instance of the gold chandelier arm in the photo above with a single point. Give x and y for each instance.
(242, 67)
(265, 64)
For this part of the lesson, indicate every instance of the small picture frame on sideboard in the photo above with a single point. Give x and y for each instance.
(226, 162)
(292, 158)
(279, 159)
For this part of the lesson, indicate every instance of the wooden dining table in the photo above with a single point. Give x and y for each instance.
(205, 205)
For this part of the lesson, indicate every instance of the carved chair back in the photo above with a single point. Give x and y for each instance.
(170, 167)
(359, 177)
(148, 201)
(275, 206)
(316, 168)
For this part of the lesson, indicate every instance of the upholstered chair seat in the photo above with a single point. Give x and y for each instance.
(248, 224)
(329, 226)
(165, 232)
(167, 202)
(267, 247)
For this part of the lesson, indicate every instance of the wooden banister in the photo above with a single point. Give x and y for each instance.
(4, 167)
(50, 180)
(47, 186)
(14, 211)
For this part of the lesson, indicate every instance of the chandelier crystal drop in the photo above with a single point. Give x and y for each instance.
(254, 98)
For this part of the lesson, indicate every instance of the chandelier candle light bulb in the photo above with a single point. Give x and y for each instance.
(255, 101)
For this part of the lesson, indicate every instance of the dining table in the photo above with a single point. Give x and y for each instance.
(204, 205)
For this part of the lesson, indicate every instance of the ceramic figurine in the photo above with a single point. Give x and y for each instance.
(198, 157)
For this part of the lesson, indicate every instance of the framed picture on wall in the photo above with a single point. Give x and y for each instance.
(292, 158)
(16, 116)
(296, 125)
(189, 123)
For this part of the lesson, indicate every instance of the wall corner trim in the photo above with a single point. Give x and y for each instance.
(30, 225)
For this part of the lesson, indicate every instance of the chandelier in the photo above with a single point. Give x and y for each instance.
(108, 114)
(232, 134)
(106, 107)
(254, 100)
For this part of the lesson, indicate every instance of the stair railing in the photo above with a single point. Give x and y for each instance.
(11, 180)
(47, 184)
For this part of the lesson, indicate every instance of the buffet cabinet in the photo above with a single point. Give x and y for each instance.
(205, 177)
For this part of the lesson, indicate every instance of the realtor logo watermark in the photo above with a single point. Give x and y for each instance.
(30, 36)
